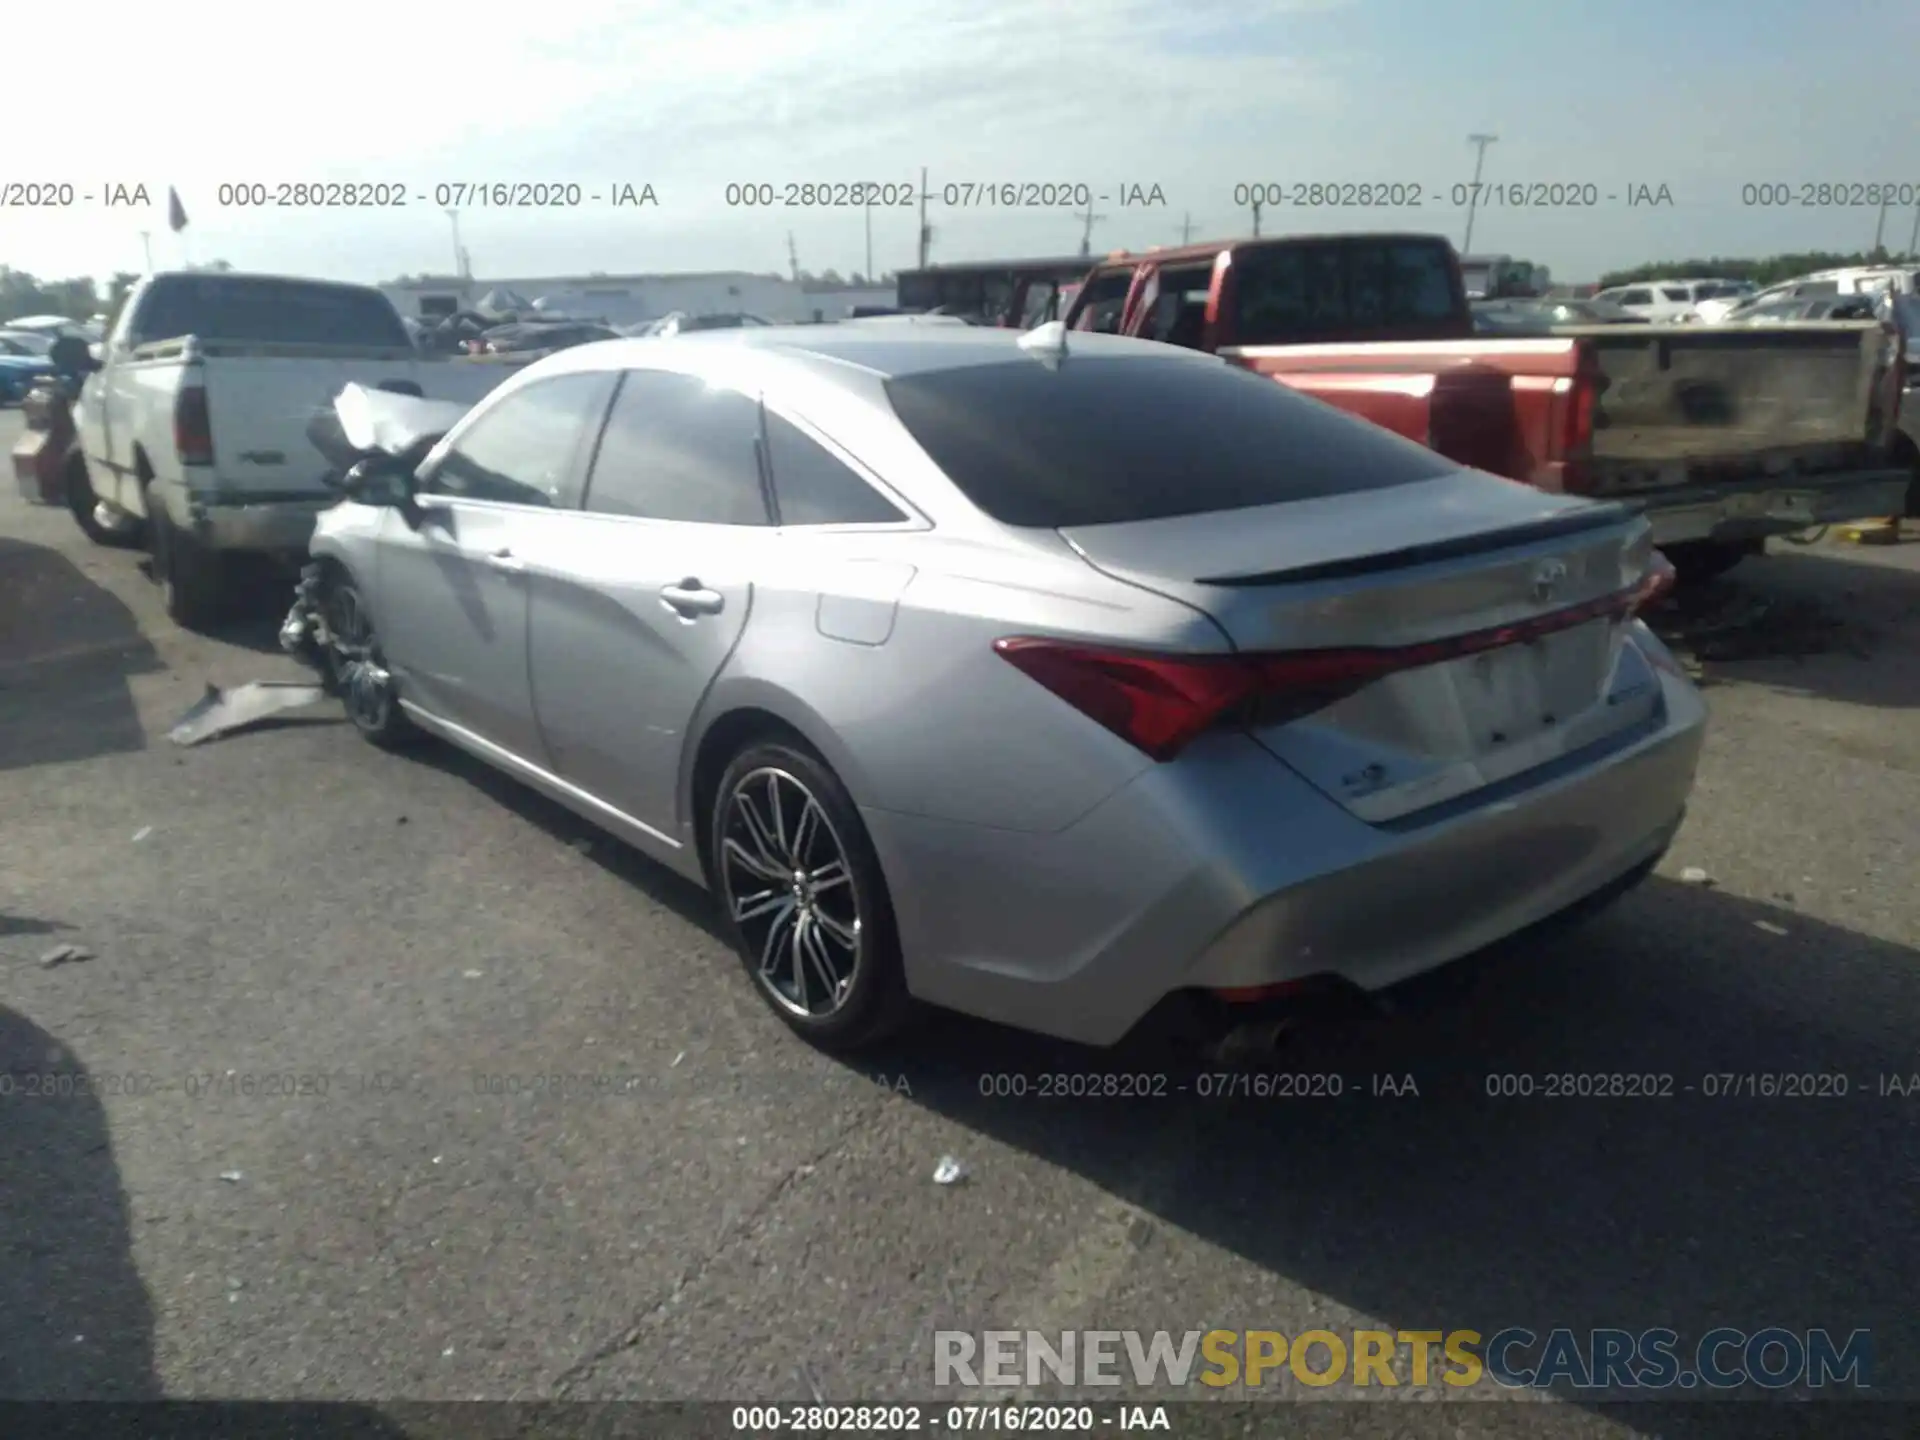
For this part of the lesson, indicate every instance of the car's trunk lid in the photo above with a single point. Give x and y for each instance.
(1503, 608)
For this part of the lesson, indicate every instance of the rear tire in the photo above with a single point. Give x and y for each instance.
(192, 578)
(803, 899)
(1698, 561)
(82, 501)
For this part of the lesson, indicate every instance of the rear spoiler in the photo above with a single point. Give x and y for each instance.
(1593, 517)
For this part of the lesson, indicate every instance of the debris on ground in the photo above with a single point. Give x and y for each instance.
(1694, 875)
(472, 974)
(581, 846)
(65, 955)
(221, 712)
(949, 1171)
(805, 1372)
(1769, 927)
(142, 833)
(232, 1177)
(1726, 623)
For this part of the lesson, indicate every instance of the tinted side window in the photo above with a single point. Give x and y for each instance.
(1179, 315)
(811, 487)
(676, 448)
(527, 449)
(1102, 301)
(1636, 297)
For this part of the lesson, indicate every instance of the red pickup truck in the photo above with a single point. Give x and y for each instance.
(1722, 435)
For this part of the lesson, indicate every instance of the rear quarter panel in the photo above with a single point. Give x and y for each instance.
(931, 721)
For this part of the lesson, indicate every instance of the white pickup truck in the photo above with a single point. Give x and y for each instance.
(192, 427)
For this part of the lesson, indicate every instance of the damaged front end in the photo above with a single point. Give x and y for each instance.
(303, 633)
(328, 631)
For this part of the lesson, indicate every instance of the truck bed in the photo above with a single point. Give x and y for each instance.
(1678, 406)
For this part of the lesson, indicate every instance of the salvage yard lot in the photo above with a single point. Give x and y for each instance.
(412, 944)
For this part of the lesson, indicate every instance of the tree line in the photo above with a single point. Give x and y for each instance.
(1769, 271)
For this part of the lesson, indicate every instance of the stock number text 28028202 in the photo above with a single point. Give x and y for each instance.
(446, 194)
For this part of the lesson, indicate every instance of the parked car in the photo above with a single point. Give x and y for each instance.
(1050, 692)
(1721, 439)
(1543, 317)
(22, 367)
(191, 426)
(532, 337)
(682, 323)
(1663, 301)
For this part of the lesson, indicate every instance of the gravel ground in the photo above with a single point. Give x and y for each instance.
(738, 1218)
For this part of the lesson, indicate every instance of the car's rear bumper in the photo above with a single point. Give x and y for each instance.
(280, 526)
(1226, 871)
(1753, 513)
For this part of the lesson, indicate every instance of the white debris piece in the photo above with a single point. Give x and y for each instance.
(950, 1171)
(1769, 927)
(142, 833)
(1694, 875)
(232, 1177)
(65, 955)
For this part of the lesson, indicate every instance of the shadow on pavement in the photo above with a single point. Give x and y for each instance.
(1454, 1209)
(1806, 620)
(75, 1321)
(67, 648)
(656, 882)
(259, 592)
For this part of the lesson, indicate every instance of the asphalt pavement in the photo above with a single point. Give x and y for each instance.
(384, 1079)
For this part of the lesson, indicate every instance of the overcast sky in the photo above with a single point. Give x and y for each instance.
(1195, 96)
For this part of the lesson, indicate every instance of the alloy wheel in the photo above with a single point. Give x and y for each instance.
(788, 886)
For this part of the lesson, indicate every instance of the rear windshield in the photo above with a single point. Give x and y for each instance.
(1346, 290)
(287, 312)
(1104, 440)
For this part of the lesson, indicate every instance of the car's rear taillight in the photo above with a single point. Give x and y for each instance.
(1655, 585)
(1583, 401)
(192, 426)
(1160, 703)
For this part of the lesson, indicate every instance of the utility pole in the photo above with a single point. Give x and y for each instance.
(1186, 229)
(1879, 230)
(1473, 195)
(867, 274)
(1913, 240)
(146, 245)
(1086, 231)
(926, 230)
(1256, 219)
(459, 254)
(793, 259)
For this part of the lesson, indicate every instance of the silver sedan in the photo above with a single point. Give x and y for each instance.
(1052, 687)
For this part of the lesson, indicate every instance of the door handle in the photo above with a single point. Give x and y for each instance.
(690, 598)
(505, 559)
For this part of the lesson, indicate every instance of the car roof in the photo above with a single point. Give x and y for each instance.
(1205, 250)
(884, 352)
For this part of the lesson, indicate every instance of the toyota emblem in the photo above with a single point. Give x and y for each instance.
(1547, 576)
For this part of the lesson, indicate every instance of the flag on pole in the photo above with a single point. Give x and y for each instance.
(176, 212)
